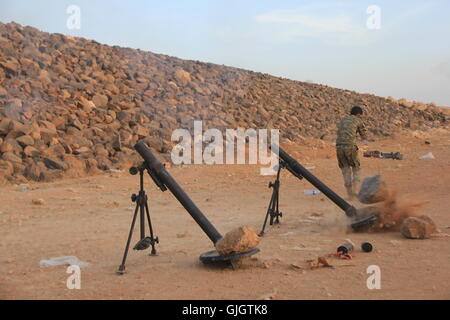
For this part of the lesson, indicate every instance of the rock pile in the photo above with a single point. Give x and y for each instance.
(73, 106)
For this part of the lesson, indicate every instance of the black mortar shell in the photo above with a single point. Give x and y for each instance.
(366, 247)
(345, 248)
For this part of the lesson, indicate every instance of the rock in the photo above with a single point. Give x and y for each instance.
(3, 92)
(47, 135)
(100, 150)
(25, 140)
(48, 125)
(6, 168)
(418, 227)
(182, 77)
(100, 100)
(4, 125)
(141, 131)
(30, 151)
(92, 166)
(38, 202)
(54, 164)
(10, 67)
(13, 109)
(33, 172)
(51, 175)
(373, 190)
(6, 147)
(76, 166)
(11, 157)
(239, 240)
(104, 163)
(183, 235)
(87, 105)
(81, 150)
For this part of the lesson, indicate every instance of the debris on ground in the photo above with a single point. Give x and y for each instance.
(429, 155)
(183, 235)
(38, 202)
(320, 263)
(63, 261)
(392, 212)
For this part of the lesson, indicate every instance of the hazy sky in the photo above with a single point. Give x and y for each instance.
(328, 42)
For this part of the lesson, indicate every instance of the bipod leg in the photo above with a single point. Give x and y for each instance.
(121, 269)
(153, 240)
(269, 209)
(272, 210)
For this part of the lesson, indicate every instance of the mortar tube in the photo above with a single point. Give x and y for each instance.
(158, 169)
(302, 171)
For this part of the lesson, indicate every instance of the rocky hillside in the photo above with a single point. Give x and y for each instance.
(70, 106)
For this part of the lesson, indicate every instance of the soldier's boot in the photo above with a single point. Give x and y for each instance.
(347, 174)
(356, 180)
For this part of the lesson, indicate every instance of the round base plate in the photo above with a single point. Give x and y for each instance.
(364, 218)
(214, 256)
(361, 223)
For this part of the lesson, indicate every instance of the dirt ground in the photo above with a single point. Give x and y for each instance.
(90, 217)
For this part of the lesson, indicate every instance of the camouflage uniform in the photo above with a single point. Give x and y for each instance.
(347, 150)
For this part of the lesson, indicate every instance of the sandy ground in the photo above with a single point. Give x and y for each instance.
(90, 218)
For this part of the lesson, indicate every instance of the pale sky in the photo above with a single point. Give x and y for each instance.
(328, 42)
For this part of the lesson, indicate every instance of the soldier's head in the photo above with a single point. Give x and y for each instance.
(356, 111)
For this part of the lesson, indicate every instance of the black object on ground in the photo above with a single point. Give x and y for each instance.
(345, 248)
(141, 201)
(383, 155)
(366, 247)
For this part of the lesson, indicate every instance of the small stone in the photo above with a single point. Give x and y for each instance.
(183, 235)
(38, 202)
(25, 140)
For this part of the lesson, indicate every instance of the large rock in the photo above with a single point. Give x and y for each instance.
(373, 190)
(418, 227)
(239, 240)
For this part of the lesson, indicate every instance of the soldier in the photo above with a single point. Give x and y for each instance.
(347, 150)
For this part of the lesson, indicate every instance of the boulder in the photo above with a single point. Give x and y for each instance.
(418, 227)
(241, 239)
(373, 190)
